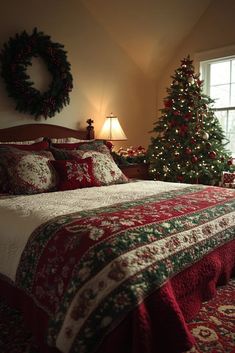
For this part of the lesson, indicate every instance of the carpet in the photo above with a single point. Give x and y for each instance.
(213, 327)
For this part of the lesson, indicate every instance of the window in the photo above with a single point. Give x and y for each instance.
(219, 84)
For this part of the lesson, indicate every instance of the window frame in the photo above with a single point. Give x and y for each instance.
(205, 76)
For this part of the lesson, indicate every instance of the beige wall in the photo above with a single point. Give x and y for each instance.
(110, 70)
(106, 79)
(214, 33)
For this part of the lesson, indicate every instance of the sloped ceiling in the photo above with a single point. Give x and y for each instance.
(149, 31)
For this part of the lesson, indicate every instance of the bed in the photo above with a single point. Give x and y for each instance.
(112, 267)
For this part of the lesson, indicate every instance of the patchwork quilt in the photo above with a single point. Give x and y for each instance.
(87, 270)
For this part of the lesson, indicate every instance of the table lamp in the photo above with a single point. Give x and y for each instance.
(112, 130)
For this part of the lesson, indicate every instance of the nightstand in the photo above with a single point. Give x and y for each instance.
(135, 171)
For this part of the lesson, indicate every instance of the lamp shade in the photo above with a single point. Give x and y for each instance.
(112, 130)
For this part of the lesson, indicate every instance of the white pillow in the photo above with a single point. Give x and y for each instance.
(67, 140)
(30, 142)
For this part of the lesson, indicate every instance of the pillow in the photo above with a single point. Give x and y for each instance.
(89, 145)
(38, 146)
(30, 142)
(28, 172)
(105, 170)
(66, 140)
(74, 174)
(60, 154)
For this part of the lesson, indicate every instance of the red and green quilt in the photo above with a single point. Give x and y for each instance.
(88, 270)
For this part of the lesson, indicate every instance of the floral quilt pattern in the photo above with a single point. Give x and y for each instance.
(87, 270)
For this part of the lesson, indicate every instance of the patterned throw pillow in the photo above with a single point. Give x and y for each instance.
(74, 174)
(105, 170)
(28, 172)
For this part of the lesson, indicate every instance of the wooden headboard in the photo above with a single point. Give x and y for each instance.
(33, 131)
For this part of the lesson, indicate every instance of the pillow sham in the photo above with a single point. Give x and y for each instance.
(28, 172)
(38, 146)
(105, 170)
(66, 140)
(74, 174)
(89, 145)
(29, 142)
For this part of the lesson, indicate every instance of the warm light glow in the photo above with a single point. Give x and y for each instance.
(112, 130)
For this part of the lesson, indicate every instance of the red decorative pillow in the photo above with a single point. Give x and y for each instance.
(74, 174)
(106, 171)
(38, 146)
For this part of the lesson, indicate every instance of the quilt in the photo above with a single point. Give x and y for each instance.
(87, 270)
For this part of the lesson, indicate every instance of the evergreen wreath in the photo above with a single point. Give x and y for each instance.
(15, 57)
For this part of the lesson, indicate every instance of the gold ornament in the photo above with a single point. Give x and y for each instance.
(205, 135)
(191, 80)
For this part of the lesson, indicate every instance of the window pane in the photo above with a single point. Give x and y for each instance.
(231, 145)
(221, 88)
(231, 121)
(222, 116)
(233, 70)
(220, 73)
(221, 95)
(233, 95)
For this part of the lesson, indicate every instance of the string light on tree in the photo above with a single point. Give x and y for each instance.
(188, 134)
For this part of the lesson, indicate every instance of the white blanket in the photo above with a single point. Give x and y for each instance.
(20, 215)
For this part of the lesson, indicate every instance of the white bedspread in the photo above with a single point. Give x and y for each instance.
(20, 215)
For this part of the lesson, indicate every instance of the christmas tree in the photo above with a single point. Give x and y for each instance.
(190, 143)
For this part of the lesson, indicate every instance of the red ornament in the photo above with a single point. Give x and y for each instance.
(188, 116)
(230, 162)
(168, 103)
(193, 141)
(190, 72)
(180, 178)
(188, 150)
(194, 159)
(199, 82)
(176, 113)
(183, 129)
(173, 123)
(212, 155)
(109, 145)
